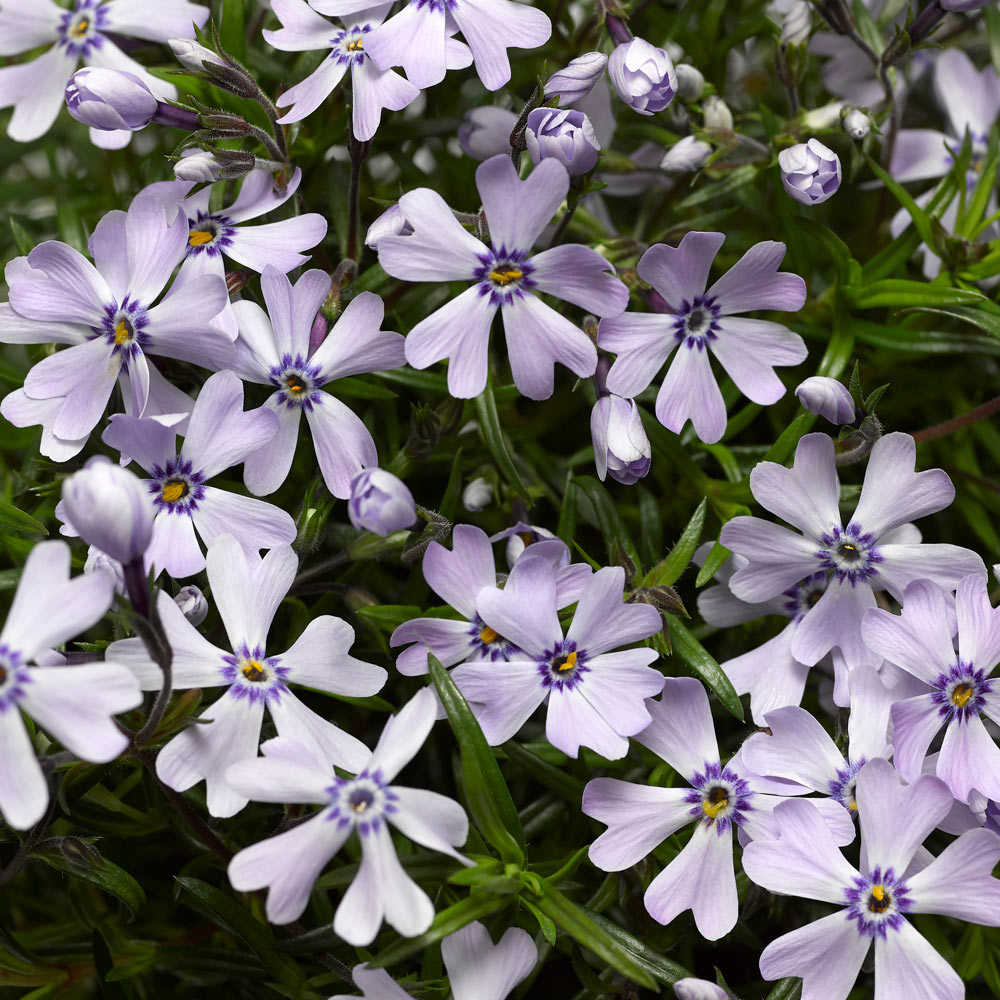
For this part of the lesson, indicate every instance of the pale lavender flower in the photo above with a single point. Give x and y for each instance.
(372, 88)
(219, 435)
(563, 135)
(719, 797)
(856, 124)
(477, 968)
(391, 222)
(247, 591)
(109, 508)
(505, 277)
(699, 989)
(595, 690)
(858, 558)
(621, 448)
(686, 156)
(199, 166)
(380, 502)
(214, 236)
(485, 132)
(82, 34)
(810, 172)
(288, 865)
(107, 316)
(477, 495)
(457, 577)
(827, 398)
(875, 900)
(273, 349)
(75, 705)
(576, 81)
(701, 322)
(109, 99)
(959, 688)
(418, 37)
(643, 75)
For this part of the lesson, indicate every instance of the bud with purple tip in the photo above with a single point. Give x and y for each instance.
(192, 603)
(573, 83)
(380, 502)
(856, 124)
(828, 398)
(810, 172)
(643, 75)
(563, 135)
(110, 508)
(621, 448)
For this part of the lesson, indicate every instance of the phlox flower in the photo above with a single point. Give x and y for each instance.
(215, 236)
(372, 88)
(288, 865)
(595, 690)
(698, 323)
(75, 705)
(247, 591)
(219, 435)
(959, 687)
(876, 899)
(457, 577)
(504, 276)
(418, 37)
(719, 797)
(858, 559)
(104, 311)
(477, 968)
(35, 88)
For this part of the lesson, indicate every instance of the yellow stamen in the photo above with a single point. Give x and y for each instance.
(878, 892)
(253, 671)
(198, 237)
(294, 385)
(715, 802)
(174, 490)
(80, 28)
(488, 635)
(506, 276)
(123, 332)
(357, 45)
(526, 536)
(853, 805)
(360, 807)
(961, 695)
(569, 663)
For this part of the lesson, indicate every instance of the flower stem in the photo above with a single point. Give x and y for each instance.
(957, 423)
(359, 153)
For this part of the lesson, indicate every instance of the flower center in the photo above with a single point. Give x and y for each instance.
(567, 662)
(3, 674)
(878, 900)
(719, 797)
(961, 693)
(850, 553)
(253, 670)
(123, 332)
(564, 666)
(356, 45)
(80, 28)
(716, 801)
(360, 799)
(695, 322)
(174, 490)
(505, 274)
(488, 635)
(199, 237)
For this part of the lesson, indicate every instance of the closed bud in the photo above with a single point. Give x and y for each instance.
(110, 508)
(191, 55)
(380, 502)
(686, 156)
(224, 122)
(621, 448)
(690, 82)
(643, 76)
(699, 989)
(662, 598)
(576, 81)
(810, 172)
(199, 165)
(797, 24)
(110, 100)
(563, 135)
(485, 132)
(477, 495)
(828, 398)
(192, 603)
(856, 124)
(716, 113)
(391, 222)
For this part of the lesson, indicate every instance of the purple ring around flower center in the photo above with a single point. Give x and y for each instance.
(297, 382)
(696, 322)
(14, 675)
(876, 902)
(348, 46)
(80, 30)
(361, 801)
(719, 797)
(487, 643)
(124, 329)
(209, 234)
(805, 595)
(253, 676)
(850, 553)
(960, 693)
(563, 666)
(504, 275)
(842, 788)
(176, 487)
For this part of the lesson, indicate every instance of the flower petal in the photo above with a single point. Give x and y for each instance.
(24, 793)
(431, 820)
(691, 392)
(480, 970)
(524, 612)
(754, 282)
(320, 658)
(503, 696)
(343, 444)
(680, 273)
(491, 27)
(404, 734)
(582, 276)
(356, 344)
(750, 349)
(681, 731)
(325, 741)
(257, 524)
(906, 965)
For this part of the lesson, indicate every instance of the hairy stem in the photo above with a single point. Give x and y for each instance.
(957, 423)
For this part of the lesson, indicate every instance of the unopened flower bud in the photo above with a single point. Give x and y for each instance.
(197, 165)
(573, 83)
(391, 222)
(109, 507)
(810, 172)
(797, 24)
(716, 113)
(477, 495)
(110, 99)
(380, 502)
(621, 448)
(192, 603)
(564, 135)
(856, 124)
(191, 55)
(643, 75)
(485, 132)
(824, 117)
(828, 398)
(699, 989)
(690, 82)
(686, 155)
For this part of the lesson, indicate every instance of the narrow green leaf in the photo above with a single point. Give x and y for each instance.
(489, 424)
(582, 927)
(712, 564)
(453, 489)
(556, 779)
(449, 920)
(787, 989)
(903, 292)
(788, 439)
(715, 190)
(493, 810)
(838, 250)
(233, 27)
(669, 569)
(15, 519)
(566, 528)
(80, 859)
(22, 238)
(389, 616)
(545, 924)
(694, 654)
(976, 317)
(607, 518)
(658, 966)
(228, 913)
(921, 219)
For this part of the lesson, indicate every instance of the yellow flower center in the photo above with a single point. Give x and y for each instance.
(294, 385)
(356, 45)
(488, 635)
(505, 276)
(173, 490)
(567, 662)
(123, 332)
(879, 899)
(199, 237)
(253, 671)
(715, 802)
(961, 694)
(80, 28)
